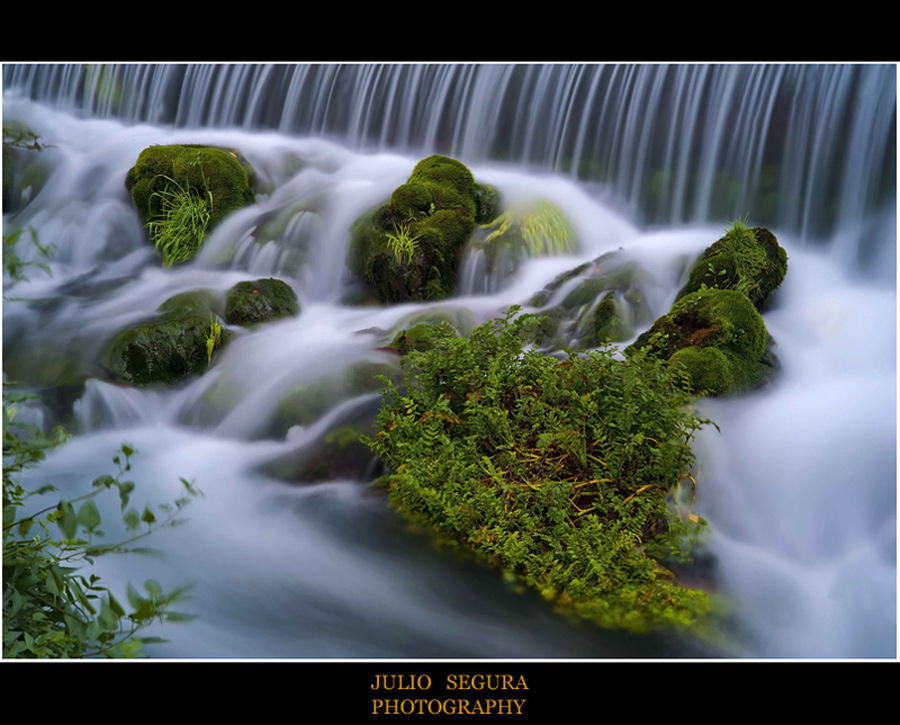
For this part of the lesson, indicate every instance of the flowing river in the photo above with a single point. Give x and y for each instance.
(798, 484)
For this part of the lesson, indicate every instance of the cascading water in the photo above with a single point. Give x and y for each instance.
(799, 485)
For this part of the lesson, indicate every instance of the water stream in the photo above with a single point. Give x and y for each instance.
(799, 485)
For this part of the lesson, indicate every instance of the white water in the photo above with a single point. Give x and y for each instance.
(799, 486)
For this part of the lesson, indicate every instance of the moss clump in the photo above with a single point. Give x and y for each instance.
(257, 301)
(409, 248)
(537, 228)
(718, 336)
(559, 472)
(169, 348)
(183, 191)
(747, 260)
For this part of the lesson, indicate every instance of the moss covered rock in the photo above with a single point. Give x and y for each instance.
(718, 336)
(257, 301)
(409, 248)
(172, 346)
(747, 260)
(183, 191)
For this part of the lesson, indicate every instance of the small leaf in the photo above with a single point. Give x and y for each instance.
(125, 489)
(88, 515)
(132, 519)
(148, 516)
(67, 519)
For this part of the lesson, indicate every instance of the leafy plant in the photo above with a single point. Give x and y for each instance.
(17, 268)
(53, 607)
(564, 473)
(402, 242)
(180, 227)
(20, 137)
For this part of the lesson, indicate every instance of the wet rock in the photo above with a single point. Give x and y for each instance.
(747, 260)
(178, 343)
(181, 192)
(409, 249)
(719, 338)
(258, 301)
(593, 304)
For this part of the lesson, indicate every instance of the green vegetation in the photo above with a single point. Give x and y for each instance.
(432, 214)
(183, 191)
(214, 338)
(23, 172)
(53, 607)
(567, 474)
(16, 268)
(180, 227)
(261, 300)
(749, 261)
(403, 243)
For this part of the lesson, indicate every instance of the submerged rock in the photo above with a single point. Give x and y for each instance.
(593, 304)
(181, 192)
(306, 403)
(336, 452)
(409, 248)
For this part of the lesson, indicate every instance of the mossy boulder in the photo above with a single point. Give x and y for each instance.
(170, 347)
(257, 301)
(217, 181)
(409, 248)
(747, 260)
(720, 339)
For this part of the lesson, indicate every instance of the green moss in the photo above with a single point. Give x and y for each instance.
(257, 301)
(718, 336)
(168, 348)
(205, 176)
(537, 228)
(409, 248)
(747, 260)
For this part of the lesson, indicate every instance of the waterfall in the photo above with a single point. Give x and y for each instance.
(800, 147)
(654, 160)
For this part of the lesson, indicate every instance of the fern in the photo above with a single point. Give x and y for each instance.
(558, 471)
